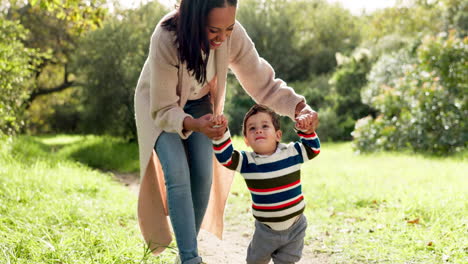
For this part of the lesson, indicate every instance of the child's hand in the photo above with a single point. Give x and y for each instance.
(304, 123)
(219, 121)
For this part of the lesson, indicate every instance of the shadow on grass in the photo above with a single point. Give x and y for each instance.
(105, 153)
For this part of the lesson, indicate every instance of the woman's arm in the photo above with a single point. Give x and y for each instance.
(257, 77)
(163, 70)
(164, 99)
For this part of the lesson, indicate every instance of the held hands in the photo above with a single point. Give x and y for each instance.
(219, 121)
(212, 126)
(307, 120)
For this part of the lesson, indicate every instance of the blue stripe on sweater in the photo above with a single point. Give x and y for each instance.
(245, 161)
(313, 143)
(225, 155)
(277, 197)
(269, 167)
(299, 150)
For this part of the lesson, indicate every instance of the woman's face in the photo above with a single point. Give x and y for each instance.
(220, 25)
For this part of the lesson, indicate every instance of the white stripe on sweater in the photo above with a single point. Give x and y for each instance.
(272, 174)
(225, 137)
(288, 211)
(223, 149)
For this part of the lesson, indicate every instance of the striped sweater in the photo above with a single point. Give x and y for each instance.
(274, 181)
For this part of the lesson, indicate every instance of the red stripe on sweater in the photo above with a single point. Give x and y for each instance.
(222, 146)
(278, 206)
(227, 164)
(276, 188)
(307, 135)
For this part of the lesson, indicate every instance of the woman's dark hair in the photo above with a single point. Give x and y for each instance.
(189, 24)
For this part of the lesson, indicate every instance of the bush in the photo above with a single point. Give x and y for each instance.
(345, 99)
(422, 100)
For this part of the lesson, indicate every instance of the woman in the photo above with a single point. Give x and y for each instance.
(183, 82)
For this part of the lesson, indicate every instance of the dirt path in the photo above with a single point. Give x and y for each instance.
(230, 250)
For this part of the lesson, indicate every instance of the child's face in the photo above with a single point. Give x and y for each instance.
(260, 134)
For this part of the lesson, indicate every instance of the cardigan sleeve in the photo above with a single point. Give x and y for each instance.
(164, 99)
(257, 77)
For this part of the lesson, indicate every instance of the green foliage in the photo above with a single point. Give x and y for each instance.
(17, 65)
(315, 90)
(345, 96)
(303, 57)
(405, 20)
(422, 101)
(238, 102)
(110, 60)
(455, 16)
(320, 30)
(81, 16)
(54, 27)
(416, 18)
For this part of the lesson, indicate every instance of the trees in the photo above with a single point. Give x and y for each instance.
(54, 27)
(17, 65)
(51, 29)
(299, 39)
(109, 61)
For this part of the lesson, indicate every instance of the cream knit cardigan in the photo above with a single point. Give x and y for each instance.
(161, 93)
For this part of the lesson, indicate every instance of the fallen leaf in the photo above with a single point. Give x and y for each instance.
(414, 221)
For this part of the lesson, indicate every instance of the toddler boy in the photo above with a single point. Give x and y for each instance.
(272, 174)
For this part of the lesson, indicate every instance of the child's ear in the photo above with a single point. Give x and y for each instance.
(246, 142)
(279, 134)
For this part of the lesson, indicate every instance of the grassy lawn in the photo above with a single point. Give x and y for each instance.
(380, 208)
(56, 210)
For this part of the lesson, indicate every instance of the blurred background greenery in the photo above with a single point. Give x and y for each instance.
(392, 79)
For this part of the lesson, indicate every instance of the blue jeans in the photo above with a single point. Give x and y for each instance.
(187, 166)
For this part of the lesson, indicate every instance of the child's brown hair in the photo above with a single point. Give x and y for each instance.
(257, 108)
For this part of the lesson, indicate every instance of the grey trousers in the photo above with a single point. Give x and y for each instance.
(284, 247)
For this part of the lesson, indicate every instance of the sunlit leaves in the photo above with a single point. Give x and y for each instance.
(17, 64)
(422, 99)
(81, 15)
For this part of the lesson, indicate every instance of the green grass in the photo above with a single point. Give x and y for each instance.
(381, 208)
(104, 153)
(55, 207)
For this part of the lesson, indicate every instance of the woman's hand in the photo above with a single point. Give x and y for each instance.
(306, 119)
(206, 125)
(219, 120)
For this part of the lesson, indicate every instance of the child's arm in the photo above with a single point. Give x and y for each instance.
(308, 137)
(223, 149)
(311, 144)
